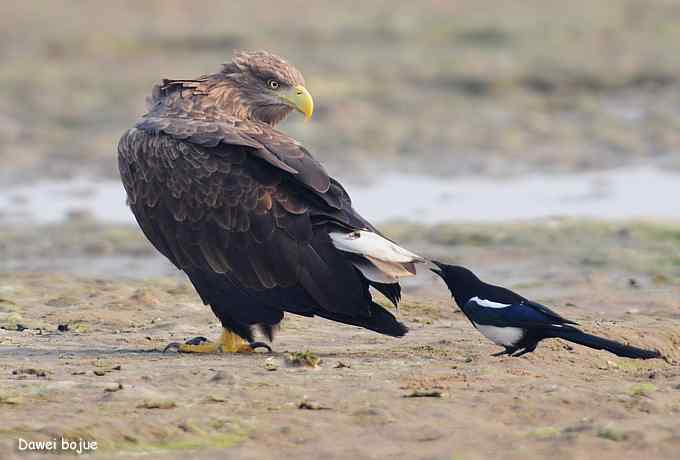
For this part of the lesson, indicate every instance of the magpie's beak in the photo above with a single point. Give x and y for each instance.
(441, 266)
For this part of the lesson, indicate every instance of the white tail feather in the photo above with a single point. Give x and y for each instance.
(371, 244)
(385, 261)
(397, 269)
(372, 272)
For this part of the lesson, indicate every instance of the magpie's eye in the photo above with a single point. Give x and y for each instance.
(273, 84)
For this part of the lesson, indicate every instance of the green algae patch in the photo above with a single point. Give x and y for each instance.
(303, 359)
(612, 434)
(10, 398)
(641, 389)
(545, 432)
(212, 441)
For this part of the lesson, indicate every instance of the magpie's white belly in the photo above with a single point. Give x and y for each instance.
(503, 336)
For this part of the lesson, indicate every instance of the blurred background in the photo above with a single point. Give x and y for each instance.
(430, 112)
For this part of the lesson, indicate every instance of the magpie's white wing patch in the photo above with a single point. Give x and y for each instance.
(503, 336)
(382, 260)
(488, 303)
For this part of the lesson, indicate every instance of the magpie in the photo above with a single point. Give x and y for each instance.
(516, 323)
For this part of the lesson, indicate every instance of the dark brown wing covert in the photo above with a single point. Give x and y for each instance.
(230, 209)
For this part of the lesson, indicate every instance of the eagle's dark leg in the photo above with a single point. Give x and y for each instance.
(228, 342)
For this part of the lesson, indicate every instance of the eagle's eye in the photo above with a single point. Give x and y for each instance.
(273, 84)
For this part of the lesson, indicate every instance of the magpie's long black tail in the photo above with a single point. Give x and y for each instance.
(599, 343)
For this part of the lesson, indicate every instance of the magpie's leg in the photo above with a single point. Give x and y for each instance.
(507, 351)
(528, 349)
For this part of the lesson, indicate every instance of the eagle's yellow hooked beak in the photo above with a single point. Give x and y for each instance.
(300, 98)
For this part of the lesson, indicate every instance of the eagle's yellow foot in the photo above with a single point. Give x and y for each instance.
(227, 343)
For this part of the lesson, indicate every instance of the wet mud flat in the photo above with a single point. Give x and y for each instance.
(80, 356)
(622, 193)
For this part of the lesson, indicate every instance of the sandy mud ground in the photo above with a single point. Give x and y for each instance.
(435, 394)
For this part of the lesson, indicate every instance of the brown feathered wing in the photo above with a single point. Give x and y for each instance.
(246, 211)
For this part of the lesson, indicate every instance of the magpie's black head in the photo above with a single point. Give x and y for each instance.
(462, 283)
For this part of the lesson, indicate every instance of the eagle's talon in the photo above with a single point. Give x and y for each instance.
(255, 345)
(228, 342)
(172, 346)
(182, 347)
(196, 340)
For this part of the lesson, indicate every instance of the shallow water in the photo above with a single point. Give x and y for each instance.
(614, 194)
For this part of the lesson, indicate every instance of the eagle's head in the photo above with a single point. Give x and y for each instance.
(265, 87)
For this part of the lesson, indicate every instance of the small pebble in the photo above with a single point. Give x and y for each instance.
(30, 371)
(270, 364)
(157, 404)
(113, 387)
(311, 405)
